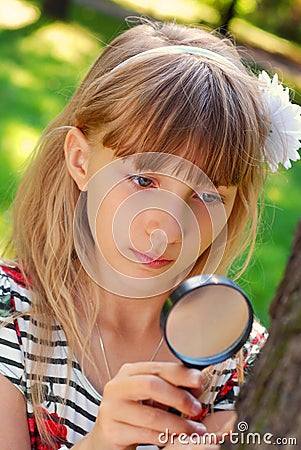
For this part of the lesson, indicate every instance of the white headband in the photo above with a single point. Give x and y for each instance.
(178, 49)
(283, 141)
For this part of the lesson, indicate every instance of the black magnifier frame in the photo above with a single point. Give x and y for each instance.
(188, 286)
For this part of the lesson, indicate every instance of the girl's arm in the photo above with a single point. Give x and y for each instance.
(14, 434)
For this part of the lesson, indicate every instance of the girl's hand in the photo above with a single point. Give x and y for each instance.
(123, 418)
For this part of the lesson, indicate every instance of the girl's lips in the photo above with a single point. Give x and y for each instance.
(151, 261)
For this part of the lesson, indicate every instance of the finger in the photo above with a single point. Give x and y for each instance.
(196, 392)
(156, 419)
(151, 402)
(180, 446)
(144, 387)
(191, 442)
(191, 447)
(121, 435)
(184, 441)
(174, 373)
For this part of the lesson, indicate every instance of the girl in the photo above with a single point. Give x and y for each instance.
(162, 149)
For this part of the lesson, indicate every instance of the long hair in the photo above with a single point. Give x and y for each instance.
(208, 112)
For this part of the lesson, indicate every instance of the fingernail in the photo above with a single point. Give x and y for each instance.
(195, 377)
(196, 408)
(200, 429)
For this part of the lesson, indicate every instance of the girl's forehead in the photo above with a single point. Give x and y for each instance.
(181, 160)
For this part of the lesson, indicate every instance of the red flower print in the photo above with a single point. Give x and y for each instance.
(15, 274)
(228, 386)
(202, 414)
(55, 429)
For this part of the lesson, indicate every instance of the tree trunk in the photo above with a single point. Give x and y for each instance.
(57, 9)
(270, 402)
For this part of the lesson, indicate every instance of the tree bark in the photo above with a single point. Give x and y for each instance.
(270, 402)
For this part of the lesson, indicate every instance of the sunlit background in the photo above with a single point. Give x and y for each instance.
(43, 59)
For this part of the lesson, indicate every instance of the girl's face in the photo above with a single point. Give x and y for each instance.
(147, 223)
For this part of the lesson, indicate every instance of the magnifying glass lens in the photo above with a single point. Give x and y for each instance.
(207, 321)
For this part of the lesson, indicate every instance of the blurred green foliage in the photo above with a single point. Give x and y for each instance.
(41, 65)
(280, 17)
(43, 62)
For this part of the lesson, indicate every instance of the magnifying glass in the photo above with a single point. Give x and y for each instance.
(206, 320)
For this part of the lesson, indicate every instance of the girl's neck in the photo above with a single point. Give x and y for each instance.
(129, 330)
(128, 316)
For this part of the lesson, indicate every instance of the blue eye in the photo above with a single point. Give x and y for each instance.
(210, 198)
(143, 182)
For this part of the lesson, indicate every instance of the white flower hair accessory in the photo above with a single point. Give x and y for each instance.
(283, 141)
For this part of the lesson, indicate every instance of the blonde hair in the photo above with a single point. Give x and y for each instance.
(209, 113)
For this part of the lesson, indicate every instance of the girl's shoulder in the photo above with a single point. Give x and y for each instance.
(14, 290)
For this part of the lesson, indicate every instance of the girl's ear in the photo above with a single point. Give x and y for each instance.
(77, 152)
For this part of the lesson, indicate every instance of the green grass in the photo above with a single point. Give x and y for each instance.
(282, 212)
(41, 65)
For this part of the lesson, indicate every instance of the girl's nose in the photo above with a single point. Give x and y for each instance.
(163, 229)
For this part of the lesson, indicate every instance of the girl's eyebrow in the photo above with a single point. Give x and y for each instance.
(166, 165)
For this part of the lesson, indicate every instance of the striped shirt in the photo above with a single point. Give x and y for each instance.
(70, 411)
